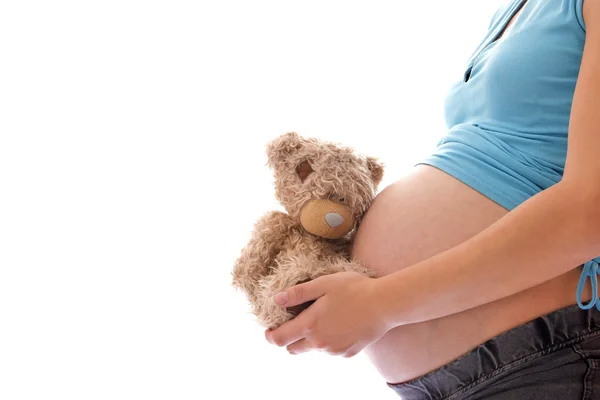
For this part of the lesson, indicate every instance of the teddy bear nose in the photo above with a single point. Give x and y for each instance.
(334, 220)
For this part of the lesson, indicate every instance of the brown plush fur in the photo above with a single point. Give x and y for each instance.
(281, 252)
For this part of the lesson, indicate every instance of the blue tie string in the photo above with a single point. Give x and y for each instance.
(590, 269)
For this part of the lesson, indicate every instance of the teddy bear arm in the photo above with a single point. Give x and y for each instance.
(258, 257)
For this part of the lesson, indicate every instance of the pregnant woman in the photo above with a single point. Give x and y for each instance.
(486, 252)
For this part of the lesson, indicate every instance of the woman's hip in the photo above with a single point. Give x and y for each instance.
(555, 356)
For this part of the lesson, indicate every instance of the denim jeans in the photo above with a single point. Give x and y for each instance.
(556, 356)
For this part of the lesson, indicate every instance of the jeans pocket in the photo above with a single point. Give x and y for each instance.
(589, 351)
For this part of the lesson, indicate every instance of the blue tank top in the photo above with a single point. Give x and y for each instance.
(508, 114)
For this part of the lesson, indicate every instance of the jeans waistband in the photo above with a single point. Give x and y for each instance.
(540, 336)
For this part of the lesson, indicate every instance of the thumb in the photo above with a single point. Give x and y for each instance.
(301, 293)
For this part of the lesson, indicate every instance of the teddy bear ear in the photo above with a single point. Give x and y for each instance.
(376, 168)
(282, 148)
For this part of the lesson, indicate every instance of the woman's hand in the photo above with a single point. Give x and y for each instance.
(347, 316)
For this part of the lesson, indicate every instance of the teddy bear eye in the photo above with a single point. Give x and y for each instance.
(336, 197)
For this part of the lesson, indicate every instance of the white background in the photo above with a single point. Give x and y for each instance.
(132, 168)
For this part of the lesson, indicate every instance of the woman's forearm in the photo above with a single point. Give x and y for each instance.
(546, 236)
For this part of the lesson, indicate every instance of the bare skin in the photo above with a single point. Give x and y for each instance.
(425, 213)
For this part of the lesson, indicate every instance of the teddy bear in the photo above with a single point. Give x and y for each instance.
(325, 189)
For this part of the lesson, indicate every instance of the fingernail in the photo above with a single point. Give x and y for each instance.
(281, 298)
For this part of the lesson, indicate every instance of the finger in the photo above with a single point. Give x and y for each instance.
(289, 332)
(301, 346)
(350, 353)
(302, 293)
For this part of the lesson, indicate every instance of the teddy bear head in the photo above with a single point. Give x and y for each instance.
(326, 186)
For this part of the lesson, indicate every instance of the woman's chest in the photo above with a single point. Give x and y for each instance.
(525, 79)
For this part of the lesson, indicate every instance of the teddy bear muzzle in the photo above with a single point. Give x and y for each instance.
(326, 218)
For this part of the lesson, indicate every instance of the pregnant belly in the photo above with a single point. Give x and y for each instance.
(424, 213)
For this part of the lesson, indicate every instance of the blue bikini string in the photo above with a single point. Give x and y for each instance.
(591, 270)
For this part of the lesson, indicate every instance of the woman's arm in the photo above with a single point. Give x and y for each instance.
(546, 236)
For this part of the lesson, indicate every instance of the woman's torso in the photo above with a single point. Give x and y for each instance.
(508, 121)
